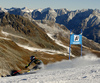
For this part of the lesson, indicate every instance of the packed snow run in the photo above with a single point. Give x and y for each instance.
(84, 69)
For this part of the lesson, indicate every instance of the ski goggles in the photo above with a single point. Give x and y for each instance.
(32, 58)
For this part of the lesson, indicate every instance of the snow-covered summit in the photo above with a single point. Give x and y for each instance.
(11, 9)
(38, 10)
(2, 9)
(25, 9)
(47, 9)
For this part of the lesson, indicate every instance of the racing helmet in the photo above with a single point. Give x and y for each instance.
(32, 57)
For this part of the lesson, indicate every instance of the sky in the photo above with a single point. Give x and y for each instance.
(55, 4)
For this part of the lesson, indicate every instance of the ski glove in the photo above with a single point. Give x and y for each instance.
(26, 66)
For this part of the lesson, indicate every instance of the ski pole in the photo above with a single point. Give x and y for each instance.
(17, 71)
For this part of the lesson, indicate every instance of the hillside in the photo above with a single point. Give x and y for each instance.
(16, 31)
(59, 33)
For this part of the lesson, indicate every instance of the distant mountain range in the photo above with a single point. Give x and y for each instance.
(87, 19)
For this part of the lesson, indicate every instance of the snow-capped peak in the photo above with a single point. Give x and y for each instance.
(47, 9)
(25, 9)
(2, 9)
(11, 9)
(38, 9)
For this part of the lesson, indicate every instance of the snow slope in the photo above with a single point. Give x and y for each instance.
(80, 70)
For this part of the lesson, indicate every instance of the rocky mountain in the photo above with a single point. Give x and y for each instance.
(86, 19)
(49, 41)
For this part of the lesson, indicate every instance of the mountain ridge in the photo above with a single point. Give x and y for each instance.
(84, 19)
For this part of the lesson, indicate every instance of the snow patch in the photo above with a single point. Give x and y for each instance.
(38, 49)
(60, 44)
(7, 34)
(25, 9)
(42, 50)
(5, 38)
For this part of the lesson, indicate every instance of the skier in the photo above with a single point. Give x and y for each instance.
(36, 61)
